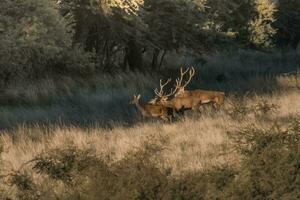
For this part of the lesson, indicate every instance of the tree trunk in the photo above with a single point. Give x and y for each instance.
(154, 65)
(162, 59)
(82, 29)
(294, 42)
(134, 55)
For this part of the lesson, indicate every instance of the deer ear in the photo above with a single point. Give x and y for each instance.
(139, 96)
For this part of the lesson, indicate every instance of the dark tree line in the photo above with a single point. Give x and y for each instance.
(83, 36)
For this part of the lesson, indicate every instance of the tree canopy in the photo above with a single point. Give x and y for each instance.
(58, 35)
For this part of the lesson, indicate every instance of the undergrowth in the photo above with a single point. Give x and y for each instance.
(269, 169)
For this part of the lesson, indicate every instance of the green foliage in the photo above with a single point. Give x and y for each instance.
(74, 61)
(174, 24)
(37, 36)
(31, 34)
(230, 18)
(261, 26)
(288, 23)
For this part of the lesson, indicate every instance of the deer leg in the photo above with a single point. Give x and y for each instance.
(171, 112)
(194, 108)
(170, 118)
(181, 111)
(199, 108)
(164, 118)
(215, 104)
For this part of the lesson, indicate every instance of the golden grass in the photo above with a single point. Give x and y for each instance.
(196, 142)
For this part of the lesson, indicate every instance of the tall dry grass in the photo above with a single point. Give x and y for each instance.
(195, 142)
(103, 99)
(56, 114)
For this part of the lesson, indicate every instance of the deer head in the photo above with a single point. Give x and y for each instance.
(153, 101)
(160, 94)
(135, 99)
(180, 87)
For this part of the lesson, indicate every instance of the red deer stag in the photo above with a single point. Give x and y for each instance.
(178, 104)
(205, 96)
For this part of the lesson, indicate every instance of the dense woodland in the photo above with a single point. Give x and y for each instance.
(81, 37)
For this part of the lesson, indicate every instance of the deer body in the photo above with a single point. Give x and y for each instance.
(181, 103)
(183, 99)
(178, 104)
(205, 96)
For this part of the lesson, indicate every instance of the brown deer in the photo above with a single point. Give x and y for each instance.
(205, 96)
(178, 104)
(152, 110)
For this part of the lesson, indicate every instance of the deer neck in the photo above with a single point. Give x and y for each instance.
(167, 103)
(140, 108)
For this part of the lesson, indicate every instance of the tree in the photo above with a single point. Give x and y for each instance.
(261, 26)
(288, 23)
(129, 28)
(32, 33)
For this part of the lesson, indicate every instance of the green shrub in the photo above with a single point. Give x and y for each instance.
(34, 34)
(36, 41)
(73, 62)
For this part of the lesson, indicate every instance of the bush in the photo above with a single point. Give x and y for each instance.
(202, 185)
(34, 34)
(26, 188)
(138, 175)
(73, 62)
(66, 164)
(34, 40)
(270, 169)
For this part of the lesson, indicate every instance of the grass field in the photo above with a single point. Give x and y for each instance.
(261, 90)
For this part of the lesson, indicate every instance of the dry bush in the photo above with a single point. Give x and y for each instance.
(26, 188)
(270, 168)
(67, 163)
(267, 154)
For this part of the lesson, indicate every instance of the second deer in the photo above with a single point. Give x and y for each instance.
(205, 96)
(178, 104)
(151, 110)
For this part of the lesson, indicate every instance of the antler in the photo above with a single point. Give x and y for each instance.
(179, 80)
(191, 74)
(162, 85)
